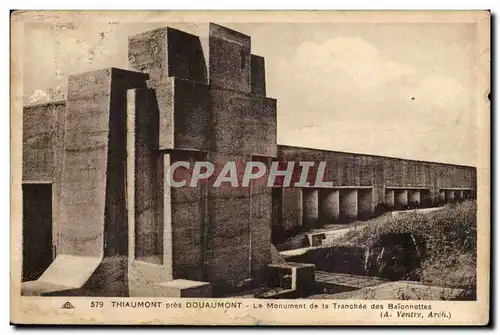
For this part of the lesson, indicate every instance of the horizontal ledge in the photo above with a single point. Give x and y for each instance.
(326, 187)
(407, 188)
(37, 182)
(181, 150)
(455, 189)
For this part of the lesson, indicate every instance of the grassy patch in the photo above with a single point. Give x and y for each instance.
(450, 234)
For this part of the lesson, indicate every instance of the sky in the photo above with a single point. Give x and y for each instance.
(399, 90)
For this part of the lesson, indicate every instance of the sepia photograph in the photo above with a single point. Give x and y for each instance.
(241, 161)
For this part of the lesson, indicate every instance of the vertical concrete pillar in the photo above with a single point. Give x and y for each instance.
(365, 203)
(329, 204)
(144, 173)
(450, 196)
(188, 212)
(389, 198)
(310, 206)
(149, 198)
(348, 203)
(442, 196)
(292, 208)
(401, 198)
(266, 206)
(277, 206)
(228, 232)
(460, 195)
(414, 198)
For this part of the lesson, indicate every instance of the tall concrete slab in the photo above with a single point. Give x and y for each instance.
(164, 97)
(228, 231)
(148, 200)
(348, 200)
(167, 52)
(258, 75)
(188, 221)
(93, 203)
(329, 205)
(93, 206)
(145, 176)
(243, 125)
(310, 205)
(229, 59)
(260, 222)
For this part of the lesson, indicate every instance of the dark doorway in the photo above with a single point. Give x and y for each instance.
(37, 230)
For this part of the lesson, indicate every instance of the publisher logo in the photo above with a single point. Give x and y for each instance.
(67, 305)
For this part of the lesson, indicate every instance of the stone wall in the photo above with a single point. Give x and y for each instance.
(378, 181)
(43, 147)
